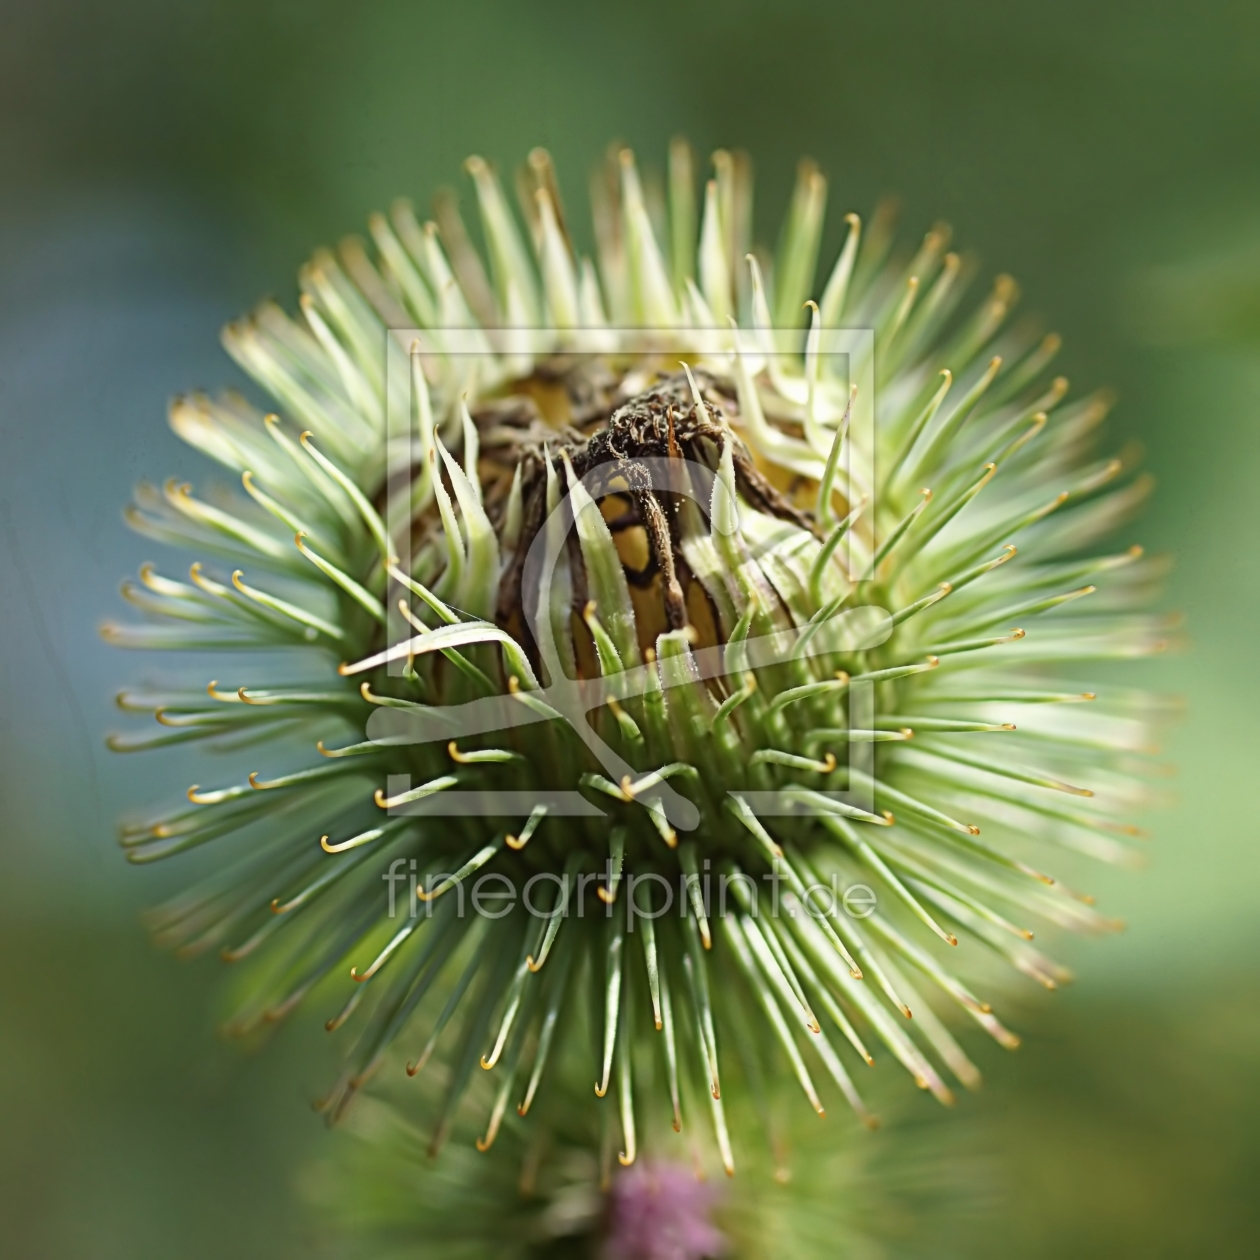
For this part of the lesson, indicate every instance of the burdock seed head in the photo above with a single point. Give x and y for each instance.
(678, 663)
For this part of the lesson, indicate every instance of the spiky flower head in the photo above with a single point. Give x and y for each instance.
(672, 665)
(812, 1191)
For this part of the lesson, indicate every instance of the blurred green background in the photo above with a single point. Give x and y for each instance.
(163, 165)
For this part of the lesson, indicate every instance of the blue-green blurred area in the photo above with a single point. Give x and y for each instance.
(161, 166)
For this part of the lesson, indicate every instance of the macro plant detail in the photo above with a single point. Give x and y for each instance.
(844, 1195)
(826, 613)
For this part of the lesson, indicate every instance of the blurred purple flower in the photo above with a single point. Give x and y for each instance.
(661, 1212)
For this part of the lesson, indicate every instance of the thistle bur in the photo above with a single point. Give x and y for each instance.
(659, 610)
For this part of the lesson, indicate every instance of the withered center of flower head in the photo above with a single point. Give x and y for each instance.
(660, 422)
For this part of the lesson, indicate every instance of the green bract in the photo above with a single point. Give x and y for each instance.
(738, 637)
